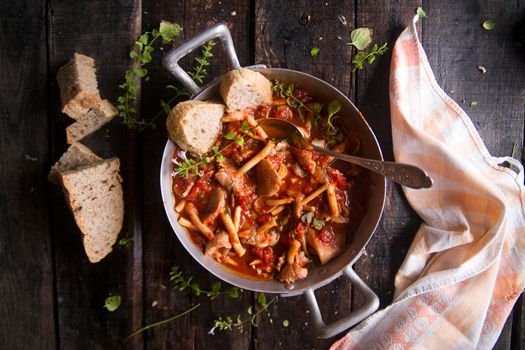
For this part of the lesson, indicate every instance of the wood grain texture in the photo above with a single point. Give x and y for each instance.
(103, 31)
(456, 44)
(162, 248)
(285, 34)
(399, 222)
(27, 319)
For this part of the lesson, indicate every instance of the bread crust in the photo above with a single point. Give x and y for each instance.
(245, 80)
(90, 122)
(183, 129)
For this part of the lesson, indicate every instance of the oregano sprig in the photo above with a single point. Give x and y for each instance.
(362, 56)
(183, 282)
(141, 55)
(287, 93)
(198, 73)
(228, 323)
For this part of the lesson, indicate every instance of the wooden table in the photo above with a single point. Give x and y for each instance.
(52, 296)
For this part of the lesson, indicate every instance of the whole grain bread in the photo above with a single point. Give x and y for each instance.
(76, 156)
(94, 193)
(243, 88)
(90, 122)
(78, 86)
(195, 125)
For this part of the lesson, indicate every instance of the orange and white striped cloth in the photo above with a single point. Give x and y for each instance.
(466, 266)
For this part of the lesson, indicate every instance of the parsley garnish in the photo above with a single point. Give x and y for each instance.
(112, 302)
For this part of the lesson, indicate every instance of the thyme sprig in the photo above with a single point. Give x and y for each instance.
(362, 56)
(183, 282)
(198, 73)
(141, 55)
(287, 93)
(195, 166)
(228, 323)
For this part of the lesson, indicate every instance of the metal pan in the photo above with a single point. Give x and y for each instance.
(318, 276)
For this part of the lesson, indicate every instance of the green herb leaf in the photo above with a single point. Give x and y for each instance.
(239, 140)
(229, 136)
(308, 217)
(112, 302)
(169, 31)
(489, 24)
(318, 223)
(233, 293)
(286, 323)
(473, 104)
(314, 51)
(245, 126)
(334, 107)
(219, 157)
(361, 38)
(261, 299)
(422, 14)
(123, 242)
(317, 109)
(250, 310)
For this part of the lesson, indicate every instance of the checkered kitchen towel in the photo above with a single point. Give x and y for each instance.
(466, 266)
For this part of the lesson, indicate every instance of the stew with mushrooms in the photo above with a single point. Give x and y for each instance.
(263, 207)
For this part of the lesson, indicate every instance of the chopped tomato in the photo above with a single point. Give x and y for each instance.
(301, 229)
(326, 235)
(281, 112)
(245, 202)
(302, 95)
(263, 219)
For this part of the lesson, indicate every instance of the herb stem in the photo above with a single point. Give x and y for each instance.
(163, 322)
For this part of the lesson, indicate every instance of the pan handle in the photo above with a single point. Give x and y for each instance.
(171, 60)
(370, 305)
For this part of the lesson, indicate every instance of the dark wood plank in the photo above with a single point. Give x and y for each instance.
(500, 92)
(104, 31)
(399, 223)
(518, 327)
(26, 259)
(162, 248)
(285, 32)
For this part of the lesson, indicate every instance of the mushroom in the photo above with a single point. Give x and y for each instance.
(268, 180)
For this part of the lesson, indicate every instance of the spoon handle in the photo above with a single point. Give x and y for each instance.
(404, 174)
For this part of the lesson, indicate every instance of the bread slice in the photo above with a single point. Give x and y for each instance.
(93, 120)
(243, 88)
(195, 125)
(78, 86)
(77, 155)
(94, 193)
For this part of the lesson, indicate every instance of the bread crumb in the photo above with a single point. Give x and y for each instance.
(233, 13)
(154, 303)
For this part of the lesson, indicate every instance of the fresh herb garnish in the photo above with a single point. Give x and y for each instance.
(474, 104)
(291, 100)
(314, 51)
(112, 302)
(141, 55)
(286, 323)
(183, 282)
(421, 13)
(362, 56)
(125, 241)
(228, 323)
(489, 24)
(361, 38)
(198, 73)
(318, 223)
(308, 217)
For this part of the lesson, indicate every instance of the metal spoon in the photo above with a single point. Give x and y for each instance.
(404, 174)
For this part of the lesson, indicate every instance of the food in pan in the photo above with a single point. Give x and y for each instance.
(262, 206)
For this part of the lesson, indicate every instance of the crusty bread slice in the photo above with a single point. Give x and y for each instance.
(94, 193)
(93, 120)
(78, 86)
(244, 88)
(77, 155)
(195, 125)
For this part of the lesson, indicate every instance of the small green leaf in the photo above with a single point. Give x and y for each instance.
(141, 72)
(169, 31)
(286, 323)
(133, 55)
(219, 157)
(334, 107)
(239, 140)
(361, 38)
(215, 287)
(318, 223)
(422, 14)
(144, 38)
(250, 310)
(317, 109)
(165, 107)
(233, 293)
(207, 159)
(261, 299)
(489, 24)
(112, 302)
(314, 51)
(473, 104)
(308, 217)
(245, 126)
(215, 149)
(125, 241)
(229, 136)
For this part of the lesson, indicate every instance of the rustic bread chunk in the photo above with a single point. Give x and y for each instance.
(93, 120)
(78, 86)
(77, 155)
(195, 125)
(243, 88)
(94, 193)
